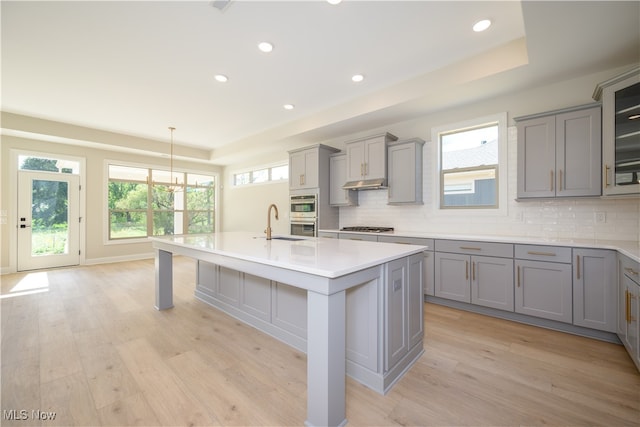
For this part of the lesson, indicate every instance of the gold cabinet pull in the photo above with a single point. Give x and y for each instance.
(473, 271)
(578, 267)
(560, 180)
(470, 248)
(466, 274)
(606, 175)
(541, 253)
(518, 276)
(631, 271)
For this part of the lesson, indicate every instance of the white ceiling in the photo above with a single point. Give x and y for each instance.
(136, 68)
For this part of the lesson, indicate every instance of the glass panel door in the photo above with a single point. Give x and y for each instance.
(627, 136)
(48, 220)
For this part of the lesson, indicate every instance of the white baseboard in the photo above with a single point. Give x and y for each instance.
(96, 261)
(109, 260)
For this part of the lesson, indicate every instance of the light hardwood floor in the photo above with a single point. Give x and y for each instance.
(91, 348)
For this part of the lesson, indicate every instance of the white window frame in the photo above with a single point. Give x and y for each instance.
(105, 196)
(12, 217)
(250, 171)
(502, 169)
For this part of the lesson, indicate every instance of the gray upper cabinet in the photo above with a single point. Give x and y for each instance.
(309, 167)
(405, 171)
(367, 157)
(559, 153)
(620, 98)
(337, 177)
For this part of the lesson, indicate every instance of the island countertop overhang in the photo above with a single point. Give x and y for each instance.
(328, 258)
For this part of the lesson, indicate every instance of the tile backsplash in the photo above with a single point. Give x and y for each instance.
(569, 218)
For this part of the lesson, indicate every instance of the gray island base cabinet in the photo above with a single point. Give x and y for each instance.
(360, 319)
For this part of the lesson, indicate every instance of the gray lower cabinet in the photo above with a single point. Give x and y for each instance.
(384, 316)
(543, 282)
(404, 305)
(370, 237)
(594, 289)
(492, 282)
(452, 277)
(485, 280)
(362, 309)
(289, 308)
(328, 234)
(629, 306)
(428, 261)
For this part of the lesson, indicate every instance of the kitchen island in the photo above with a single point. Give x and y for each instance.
(355, 307)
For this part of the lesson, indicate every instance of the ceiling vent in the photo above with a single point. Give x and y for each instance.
(221, 5)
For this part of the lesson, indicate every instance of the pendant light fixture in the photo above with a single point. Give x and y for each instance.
(171, 188)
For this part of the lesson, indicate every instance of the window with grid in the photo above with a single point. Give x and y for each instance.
(469, 162)
(153, 202)
(261, 175)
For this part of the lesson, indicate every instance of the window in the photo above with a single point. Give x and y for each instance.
(261, 175)
(151, 202)
(469, 163)
(40, 163)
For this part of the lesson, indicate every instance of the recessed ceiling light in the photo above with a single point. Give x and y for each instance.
(288, 106)
(481, 25)
(357, 78)
(221, 78)
(334, 1)
(265, 47)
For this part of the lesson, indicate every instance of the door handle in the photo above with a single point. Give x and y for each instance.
(25, 226)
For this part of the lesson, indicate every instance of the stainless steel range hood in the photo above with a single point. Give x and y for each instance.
(366, 184)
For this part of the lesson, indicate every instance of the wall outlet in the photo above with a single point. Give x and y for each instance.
(600, 217)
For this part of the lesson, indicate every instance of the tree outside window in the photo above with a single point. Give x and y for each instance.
(178, 203)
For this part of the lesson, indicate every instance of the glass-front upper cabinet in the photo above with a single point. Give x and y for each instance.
(620, 98)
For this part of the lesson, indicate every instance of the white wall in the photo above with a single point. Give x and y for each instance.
(566, 218)
(552, 219)
(96, 250)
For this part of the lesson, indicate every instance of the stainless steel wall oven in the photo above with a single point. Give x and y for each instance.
(303, 215)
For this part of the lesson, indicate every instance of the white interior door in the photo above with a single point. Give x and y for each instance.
(48, 220)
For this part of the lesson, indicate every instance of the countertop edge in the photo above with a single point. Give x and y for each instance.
(628, 248)
(163, 242)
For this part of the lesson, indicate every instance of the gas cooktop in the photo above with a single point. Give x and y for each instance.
(367, 229)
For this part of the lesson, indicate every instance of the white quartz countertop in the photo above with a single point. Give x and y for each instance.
(322, 257)
(629, 248)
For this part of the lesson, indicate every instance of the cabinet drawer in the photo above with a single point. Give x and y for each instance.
(630, 268)
(407, 240)
(504, 250)
(371, 237)
(328, 234)
(543, 253)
